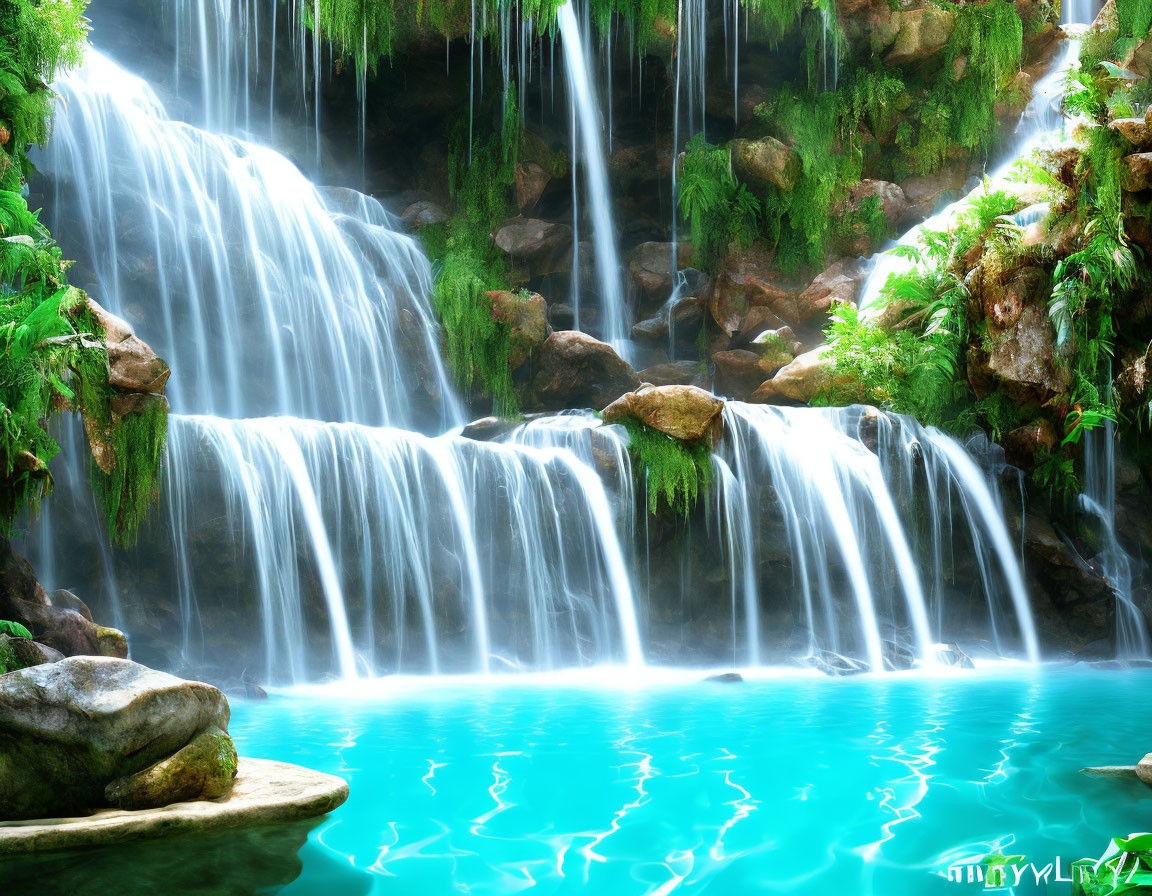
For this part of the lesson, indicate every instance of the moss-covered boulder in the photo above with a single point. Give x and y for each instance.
(70, 729)
(526, 316)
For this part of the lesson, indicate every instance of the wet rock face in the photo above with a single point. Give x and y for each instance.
(747, 280)
(798, 382)
(70, 730)
(24, 600)
(536, 247)
(133, 366)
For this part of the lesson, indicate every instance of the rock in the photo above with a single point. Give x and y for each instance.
(653, 273)
(20, 653)
(71, 728)
(204, 768)
(839, 283)
(1144, 769)
(1023, 444)
(925, 192)
(776, 348)
(536, 247)
(561, 316)
(24, 600)
(739, 373)
(1139, 59)
(952, 655)
(801, 381)
(264, 793)
(531, 179)
(921, 34)
(726, 678)
(653, 329)
(111, 642)
(765, 164)
(675, 373)
(1131, 386)
(421, 214)
(488, 429)
(893, 202)
(1136, 174)
(66, 600)
(1110, 771)
(682, 412)
(133, 366)
(834, 664)
(574, 370)
(526, 316)
(745, 280)
(1135, 130)
(1022, 358)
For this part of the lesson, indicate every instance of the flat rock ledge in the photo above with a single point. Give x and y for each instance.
(264, 791)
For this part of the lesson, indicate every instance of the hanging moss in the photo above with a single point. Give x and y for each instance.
(673, 470)
(718, 210)
(467, 264)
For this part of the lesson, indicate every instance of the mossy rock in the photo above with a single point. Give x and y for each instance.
(203, 769)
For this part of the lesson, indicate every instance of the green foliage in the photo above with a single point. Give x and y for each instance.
(36, 36)
(1125, 868)
(137, 441)
(14, 629)
(467, 264)
(674, 470)
(718, 210)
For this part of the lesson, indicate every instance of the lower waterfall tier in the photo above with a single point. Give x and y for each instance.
(294, 550)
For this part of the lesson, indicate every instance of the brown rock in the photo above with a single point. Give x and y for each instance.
(531, 179)
(764, 164)
(133, 366)
(24, 600)
(746, 280)
(1131, 386)
(1139, 59)
(421, 214)
(739, 373)
(111, 642)
(675, 373)
(653, 273)
(536, 247)
(1022, 358)
(682, 412)
(526, 316)
(893, 202)
(1135, 130)
(573, 370)
(775, 349)
(839, 283)
(1137, 172)
(801, 381)
(1022, 444)
(921, 33)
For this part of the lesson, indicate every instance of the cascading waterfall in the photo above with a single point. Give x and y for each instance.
(364, 549)
(587, 146)
(276, 298)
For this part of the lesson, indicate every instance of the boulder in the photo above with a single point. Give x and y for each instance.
(1139, 59)
(133, 366)
(530, 179)
(738, 373)
(574, 370)
(652, 329)
(20, 653)
(765, 164)
(893, 202)
(675, 373)
(1137, 172)
(526, 316)
(1136, 131)
(653, 273)
(24, 600)
(111, 642)
(726, 678)
(70, 729)
(746, 280)
(776, 348)
(1131, 386)
(839, 283)
(801, 381)
(921, 34)
(421, 214)
(536, 247)
(1023, 444)
(682, 412)
(1144, 769)
(927, 192)
(1021, 357)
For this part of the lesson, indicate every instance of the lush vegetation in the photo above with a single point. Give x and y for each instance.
(673, 470)
(50, 356)
(467, 263)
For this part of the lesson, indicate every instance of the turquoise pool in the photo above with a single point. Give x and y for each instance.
(783, 785)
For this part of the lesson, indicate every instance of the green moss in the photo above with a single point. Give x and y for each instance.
(719, 211)
(673, 470)
(467, 264)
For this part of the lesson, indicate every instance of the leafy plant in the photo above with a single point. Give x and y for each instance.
(14, 629)
(719, 210)
(674, 470)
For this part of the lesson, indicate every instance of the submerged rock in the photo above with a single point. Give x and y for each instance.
(726, 678)
(682, 412)
(834, 664)
(71, 729)
(952, 655)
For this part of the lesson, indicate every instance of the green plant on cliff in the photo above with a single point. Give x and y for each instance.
(14, 629)
(673, 470)
(467, 263)
(50, 358)
(719, 211)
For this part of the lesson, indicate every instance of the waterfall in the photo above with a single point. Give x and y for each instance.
(584, 114)
(277, 297)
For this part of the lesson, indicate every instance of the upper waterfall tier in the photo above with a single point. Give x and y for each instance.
(266, 294)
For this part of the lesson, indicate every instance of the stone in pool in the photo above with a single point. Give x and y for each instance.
(88, 732)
